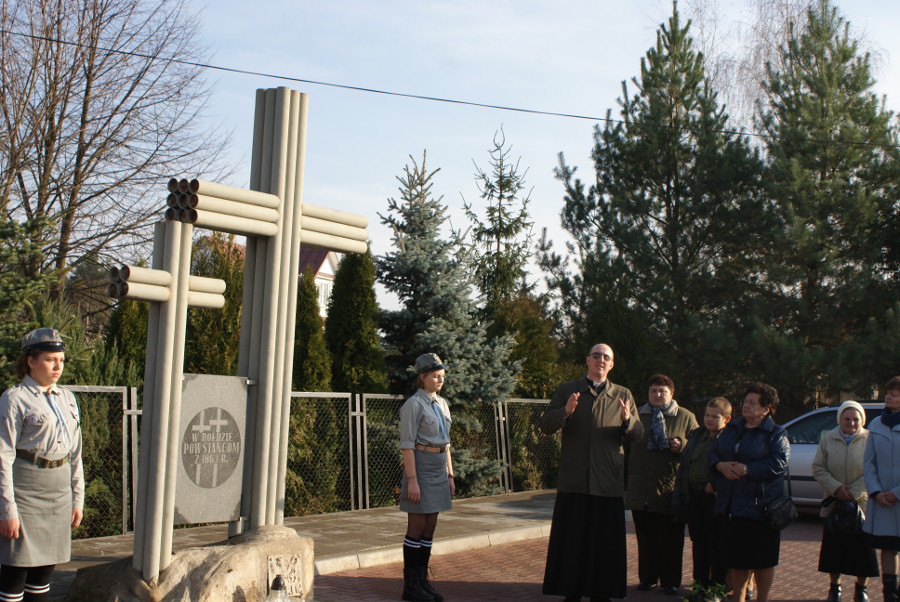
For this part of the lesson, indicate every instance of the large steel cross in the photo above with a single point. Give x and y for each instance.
(275, 221)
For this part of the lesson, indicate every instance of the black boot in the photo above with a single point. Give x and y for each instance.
(424, 557)
(890, 587)
(834, 593)
(860, 593)
(412, 580)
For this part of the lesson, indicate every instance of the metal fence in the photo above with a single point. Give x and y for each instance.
(109, 424)
(343, 454)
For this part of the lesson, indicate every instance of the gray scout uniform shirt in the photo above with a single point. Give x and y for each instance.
(30, 423)
(419, 423)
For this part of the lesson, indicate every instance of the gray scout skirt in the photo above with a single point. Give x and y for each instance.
(44, 500)
(431, 472)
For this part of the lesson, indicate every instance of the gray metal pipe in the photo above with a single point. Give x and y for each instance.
(148, 410)
(271, 324)
(248, 353)
(239, 195)
(236, 208)
(206, 300)
(283, 345)
(143, 292)
(267, 335)
(318, 240)
(287, 360)
(165, 347)
(333, 215)
(228, 223)
(133, 273)
(202, 284)
(173, 440)
(314, 224)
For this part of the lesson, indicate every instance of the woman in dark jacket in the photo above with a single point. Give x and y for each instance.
(750, 458)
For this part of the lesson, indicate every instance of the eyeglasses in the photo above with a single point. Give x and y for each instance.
(600, 356)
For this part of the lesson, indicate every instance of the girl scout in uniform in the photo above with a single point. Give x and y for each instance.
(41, 478)
(427, 474)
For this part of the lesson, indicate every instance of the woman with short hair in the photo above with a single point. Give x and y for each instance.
(652, 465)
(750, 458)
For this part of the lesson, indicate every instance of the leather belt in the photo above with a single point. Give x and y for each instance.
(434, 450)
(38, 461)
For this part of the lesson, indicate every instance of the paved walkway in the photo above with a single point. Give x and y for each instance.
(485, 549)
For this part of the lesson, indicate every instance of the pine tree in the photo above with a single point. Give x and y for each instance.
(17, 291)
(351, 330)
(662, 240)
(312, 364)
(434, 286)
(833, 176)
(501, 242)
(126, 333)
(315, 462)
(500, 249)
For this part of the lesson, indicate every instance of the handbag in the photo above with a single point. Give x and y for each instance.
(845, 518)
(781, 513)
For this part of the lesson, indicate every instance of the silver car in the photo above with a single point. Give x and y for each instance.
(804, 433)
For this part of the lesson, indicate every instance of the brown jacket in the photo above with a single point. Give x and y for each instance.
(592, 458)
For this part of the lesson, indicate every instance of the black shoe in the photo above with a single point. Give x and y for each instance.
(426, 585)
(889, 583)
(645, 586)
(671, 590)
(860, 593)
(412, 587)
(834, 593)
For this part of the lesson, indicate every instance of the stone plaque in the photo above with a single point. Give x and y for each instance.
(290, 567)
(211, 449)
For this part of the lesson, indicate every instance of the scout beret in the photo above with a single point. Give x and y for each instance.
(43, 339)
(428, 362)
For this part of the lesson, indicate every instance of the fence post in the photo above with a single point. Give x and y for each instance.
(501, 427)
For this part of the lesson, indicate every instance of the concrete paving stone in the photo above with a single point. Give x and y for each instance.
(485, 549)
(515, 571)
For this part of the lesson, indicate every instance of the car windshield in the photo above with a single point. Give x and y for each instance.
(810, 429)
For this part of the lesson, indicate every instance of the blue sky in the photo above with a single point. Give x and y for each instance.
(567, 56)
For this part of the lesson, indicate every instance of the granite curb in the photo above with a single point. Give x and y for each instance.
(390, 554)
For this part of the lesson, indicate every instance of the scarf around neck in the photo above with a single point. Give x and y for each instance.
(658, 440)
(890, 419)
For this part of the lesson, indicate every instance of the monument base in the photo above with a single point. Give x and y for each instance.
(240, 571)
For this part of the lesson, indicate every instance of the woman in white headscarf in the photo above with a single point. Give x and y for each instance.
(838, 468)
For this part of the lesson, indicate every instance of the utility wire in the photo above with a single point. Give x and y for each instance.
(468, 103)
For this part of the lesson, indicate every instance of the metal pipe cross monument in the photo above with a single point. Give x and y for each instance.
(276, 222)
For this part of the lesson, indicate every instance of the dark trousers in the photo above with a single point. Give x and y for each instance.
(705, 529)
(660, 547)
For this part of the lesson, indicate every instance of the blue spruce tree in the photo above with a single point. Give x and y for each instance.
(433, 281)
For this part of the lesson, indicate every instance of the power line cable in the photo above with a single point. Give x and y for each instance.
(239, 71)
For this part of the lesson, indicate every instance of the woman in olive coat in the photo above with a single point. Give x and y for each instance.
(652, 466)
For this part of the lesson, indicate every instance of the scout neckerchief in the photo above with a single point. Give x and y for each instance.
(440, 416)
(59, 417)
